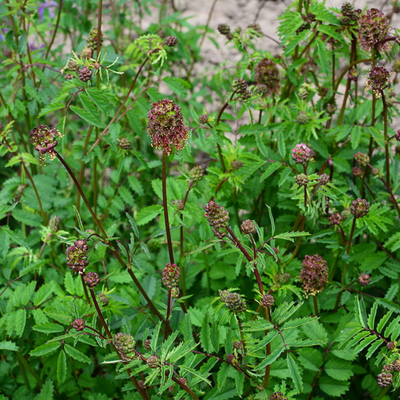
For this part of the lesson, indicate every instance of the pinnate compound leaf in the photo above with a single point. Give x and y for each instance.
(295, 373)
(338, 369)
(76, 354)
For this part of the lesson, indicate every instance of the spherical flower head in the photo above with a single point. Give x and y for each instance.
(248, 227)
(359, 208)
(124, 143)
(362, 159)
(153, 361)
(166, 126)
(85, 74)
(196, 173)
(301, 180)
(203, 119)
(357, 171)
(171, 41)
(396, 363)
(238, 345)
(277, 396)
(237, 164)
(104, 299)
(267, 300)
(331, 108)
(314, 274)
(373, 27)
(93, 38)
(72, 65)
(91, 279)
(375, 171)
(302, 154)
(44, 139)
(387, 367)
(257, 28)
(218, 218)
(125, 345)
(335, 219)
(324, 179)
(231, 359)
(345, 213)
(170, 276)
(397, 135)
(239, 85)
(364, 280)
(77, 258)
(378, 80)
(79, 324)
(302, 118)
(233, 301)
(146, 344)
(267, 73)
(384, 379)
(350, 15)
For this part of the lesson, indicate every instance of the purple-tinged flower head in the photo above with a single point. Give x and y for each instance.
(77, 258)
(282, 278)
(387, 367)
(248, 227)
(180, 205)
(314, 274)
(153, 361)
(125, 345)
(395, 363)
(239, 85)
(196, 173)
(104, 299)
(93, 39)
(267, 300)
(302, 154)
(362, 159)
(397, 135)
(373, 27)
(359, 208)
(375, 171)
(384, 379)
(50, 6)
(357, 171)
(166, 126)
(218, 218)
(203, 119)
(91, 279)
(79, 324)
(378, 80)
(44, 140)
(170, 276)
(350, 15)
(267, 73)
(335, 219)
(233, 301)
(237, 164)
(324, 179)
(171, 41)
(277, 396)
(231, 359)
(364, 279)
(302, 180)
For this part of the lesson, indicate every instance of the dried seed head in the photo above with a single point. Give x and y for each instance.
(233, 301)
(196, 173)
(224, 29)
(302, 154)
(79, 324)
(384, 379)
(170, 276)
(357, 171)
(373, 27)
(378, 80)
(350, 15)
(125, 345)
(267, 300)
(124, 143)
(218, 218)
(302, 180)
(54, 223)
(359, 208)
(171, 41)
(362, 159)
(153, 361)
(166, 126)
(203, 119)
(248, 227)
(314, 274)
(364, 279)
(91, 279)
(236, 164)
(335, 219)
(85, 74)
(77, 258)
(245, 95)
(93, 38)
(44, 139)
(267, 73)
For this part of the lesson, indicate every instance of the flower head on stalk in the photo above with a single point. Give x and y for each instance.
(45, 140)
(302, 154)
(233, 301)
(314, 274)
(359, 208)
(373, 27)
(218, 218)
(267, 73)
(378, 80)
(166, 126)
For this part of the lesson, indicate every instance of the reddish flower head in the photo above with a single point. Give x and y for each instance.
(314, 274)
(302, 154)
(373, 27)
(166, 126)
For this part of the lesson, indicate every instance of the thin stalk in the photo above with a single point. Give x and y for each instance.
(385, 132)
(203, 36)
(239, 321)
(316, 305)
(85, 290)
(55, 29)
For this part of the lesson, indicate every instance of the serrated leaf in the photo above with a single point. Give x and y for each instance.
(270, 170)
(147, 214)
(332, 387)
(295, 373)
(48, 327)
(205, 334)
(51, 108)
(338, 369)
(176, 85)
(20, 321)
(88, 117)
(375, 346)
(364, 343)
(43, 293)
(223, 374)
(61, 367)
(14, 237)
(384, 320)
(27, 293)
(8, 345)
(22, 157)
(372, 315)
(392, 291)
(69, 283)
(47, 391)
(239, 382)
(45, 349)
(271, 358)
(76, 354)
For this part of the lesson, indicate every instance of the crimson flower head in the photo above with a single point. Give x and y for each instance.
(314, 274)
(378, 80)
(373, 27)
(302, 154)
(44, 139)
(166, 126)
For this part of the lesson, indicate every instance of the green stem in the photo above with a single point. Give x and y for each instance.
(55, 29)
